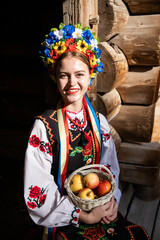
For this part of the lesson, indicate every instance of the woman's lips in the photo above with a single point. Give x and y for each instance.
(72, 91)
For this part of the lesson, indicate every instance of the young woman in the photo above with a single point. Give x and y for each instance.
(69, 137)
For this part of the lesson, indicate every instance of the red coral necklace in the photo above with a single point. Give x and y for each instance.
(77, 124)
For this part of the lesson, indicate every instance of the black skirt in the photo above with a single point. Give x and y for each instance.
(120, 228)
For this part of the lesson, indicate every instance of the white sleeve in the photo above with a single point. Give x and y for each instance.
(45, 204)
(108, 154)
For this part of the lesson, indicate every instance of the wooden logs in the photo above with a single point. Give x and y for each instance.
(113, 16)
(101, 108)
(156, 123)
(140, 86)
(139, 163)
(88, 14)
(110, 100)
(116, 138)
(115, 67)
(140, 40)
(134, 123)
(143, 6)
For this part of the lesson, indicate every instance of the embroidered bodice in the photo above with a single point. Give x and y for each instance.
(81, 141)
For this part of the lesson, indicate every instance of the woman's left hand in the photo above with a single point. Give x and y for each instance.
(112, 212)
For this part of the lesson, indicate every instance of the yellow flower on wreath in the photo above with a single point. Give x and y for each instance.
(82, 46)
(60, 47)
(92, 75)
(93, 61)
(50, 61)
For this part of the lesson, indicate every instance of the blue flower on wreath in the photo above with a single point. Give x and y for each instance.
(50, 41)
(52, 35)
(47, 52)
(100, 67)
(87, 35)
(97, 52)
(68, 30)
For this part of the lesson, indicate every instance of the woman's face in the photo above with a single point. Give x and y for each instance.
(73, 79)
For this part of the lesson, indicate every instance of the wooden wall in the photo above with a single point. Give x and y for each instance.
(128, 87)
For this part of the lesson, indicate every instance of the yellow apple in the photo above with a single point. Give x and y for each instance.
(91, 180)
(86, 193)
(76, 183)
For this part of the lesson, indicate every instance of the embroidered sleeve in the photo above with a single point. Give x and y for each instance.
(43, 200)
(109, 155)
(75, 216)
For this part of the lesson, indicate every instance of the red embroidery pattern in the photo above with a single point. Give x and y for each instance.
(86, 149)
(36, 197)
(75, 215)
(105, 137)
(94, 233)
(109, 167)
(43, 147)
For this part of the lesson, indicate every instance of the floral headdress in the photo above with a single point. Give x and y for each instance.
(71, 38)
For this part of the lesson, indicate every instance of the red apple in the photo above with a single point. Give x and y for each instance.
(86, 193)
(103, 188)
(91, 180)
(76, 183)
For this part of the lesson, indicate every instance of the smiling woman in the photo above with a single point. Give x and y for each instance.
(73, 79)
(73, 130)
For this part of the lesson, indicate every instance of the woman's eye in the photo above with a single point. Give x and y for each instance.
(80, 75)
(63, 76)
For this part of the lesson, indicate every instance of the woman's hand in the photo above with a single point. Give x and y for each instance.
(112, 212)
(104, 213)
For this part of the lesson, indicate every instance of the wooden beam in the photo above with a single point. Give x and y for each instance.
(140, 86)
(138, 174)
(147, 154)
(116, 138)
(134, 123)
(156, 123)
(143, 6)
(115, 67)
(113, 16)
(140, 40)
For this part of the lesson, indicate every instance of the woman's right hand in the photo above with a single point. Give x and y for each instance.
(96, 214)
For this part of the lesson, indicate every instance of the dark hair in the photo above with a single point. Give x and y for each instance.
(78, 55)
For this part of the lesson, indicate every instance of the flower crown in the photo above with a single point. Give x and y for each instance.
(71, 38)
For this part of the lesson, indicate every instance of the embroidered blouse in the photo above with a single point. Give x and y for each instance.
(45, 204)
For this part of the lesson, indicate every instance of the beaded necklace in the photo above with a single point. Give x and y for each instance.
(77, 124)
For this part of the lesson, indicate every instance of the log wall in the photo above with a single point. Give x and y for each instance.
(130, 101)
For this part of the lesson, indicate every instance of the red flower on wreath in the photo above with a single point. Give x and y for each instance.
(94, 233)
(70, 44)
(89, 54)
(35, 192)
(34, 141)
(54, 54)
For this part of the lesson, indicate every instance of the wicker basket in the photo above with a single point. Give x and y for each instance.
(87, 205)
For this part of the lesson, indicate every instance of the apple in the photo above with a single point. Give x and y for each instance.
(91, 180)
(76, 183)
(86, 193)
(103, 188)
